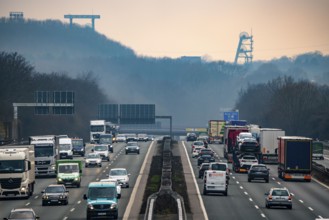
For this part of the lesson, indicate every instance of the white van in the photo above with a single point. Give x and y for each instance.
(215, 181)
(65, 148)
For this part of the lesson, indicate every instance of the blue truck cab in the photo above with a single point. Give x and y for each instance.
(102, 200)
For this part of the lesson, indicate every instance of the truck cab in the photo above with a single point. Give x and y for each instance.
(65, 148)
(102, 200)
(69, 172)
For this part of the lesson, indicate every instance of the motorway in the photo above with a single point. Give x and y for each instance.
(247, 200)
(76, 209)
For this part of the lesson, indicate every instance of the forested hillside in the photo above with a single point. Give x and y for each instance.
(191, 92)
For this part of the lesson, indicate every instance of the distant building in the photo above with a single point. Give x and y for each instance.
(191, 59)
(16, 15)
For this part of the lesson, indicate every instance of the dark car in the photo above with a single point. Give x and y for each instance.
(55, 194)
(205, 158)
(78, 146)
(132, 147)
(191, 137)
(22, 213)
(258, 171)
(131, 138)
(203, 167)
(206, 151)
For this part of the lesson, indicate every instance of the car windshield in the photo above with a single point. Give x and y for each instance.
(93, 156)
(259, 168)
(118, 172)
(21, 215)
(100, 148)
(206, 155)
(12, 166)
(101, 192)
(131, 144)
(43, 151)
(249, 158)
(55, 189)
(199, 143)
(64, 146)
(205, 167)
(77, 143)
(68, 168)
(218, 167)
(280, 193)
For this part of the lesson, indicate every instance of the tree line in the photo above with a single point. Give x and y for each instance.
(19, 81)
(298, 107)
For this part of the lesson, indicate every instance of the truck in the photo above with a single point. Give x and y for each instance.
(216, 131)
(268, 140)
(69, 172)
(317, 152)
(230, 138)
(99, 127)
(294, 158)
(17, 171)
(106, 139)
(102, 200)
(45, 154)
(65, 148)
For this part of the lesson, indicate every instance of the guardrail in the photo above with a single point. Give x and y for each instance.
(320, 172)
(166, 187)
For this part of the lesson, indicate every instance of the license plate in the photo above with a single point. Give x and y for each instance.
(211, 187)
(54, 200)
(206, 160)
(102, 213)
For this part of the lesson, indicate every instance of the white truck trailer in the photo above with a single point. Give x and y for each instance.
(268, 140)
(46, 153)
(17, 171)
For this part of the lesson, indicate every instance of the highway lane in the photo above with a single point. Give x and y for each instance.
(247, 200)
(76, 209)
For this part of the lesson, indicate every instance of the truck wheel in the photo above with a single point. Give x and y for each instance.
(108, 159)
(266, 180)
(78, 185)
(225, 193)
(249, 180)
(204, 191)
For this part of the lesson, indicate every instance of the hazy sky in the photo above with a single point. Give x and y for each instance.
(174, 28)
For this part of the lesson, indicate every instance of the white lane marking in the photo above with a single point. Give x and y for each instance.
(250, 199)
(301, 201)
(97, 179)
(233, 177)
(72, 209)
(322, 184)
(310, 208)
(79, 202)
(256, 206)
(292, 194)
(36, 197)
(263, 215)
(279, 183)
(27, 204)
(65, 218)
(237, 182)
(273, 178)
(104, 171)
(245, 193)
(241, 187)
(320, 216)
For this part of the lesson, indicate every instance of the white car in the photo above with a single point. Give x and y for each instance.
(196, 151)
(93, 159)
(121, 138)
(116, 183)
(247, 160)
(103, 151)
(121, 175)
(242, 136)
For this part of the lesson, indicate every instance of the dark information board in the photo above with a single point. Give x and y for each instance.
(108, 112)
(137, 114)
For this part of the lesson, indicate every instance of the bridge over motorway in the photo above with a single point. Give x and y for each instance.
(154, 131)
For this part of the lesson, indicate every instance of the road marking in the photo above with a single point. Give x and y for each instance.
(263, 215)
(233, 177)
(292, 194)
(65, 218)
(104, 171)
(27, 204)
(310, 208)
(301, 201)
(245, 193)
(256, 206)
(237, 182)
(320, 217)
(273, 178)
(36, 197)
(250, 199)
(72, 209)
(279, 183)
(322, 184)
(79, 202)
(241, 187)
(97, 179)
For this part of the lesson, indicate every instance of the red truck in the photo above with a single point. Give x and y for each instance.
(230, 134)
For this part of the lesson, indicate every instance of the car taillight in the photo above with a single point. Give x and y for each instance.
(289, 198)
(243, 161)
(269, 197)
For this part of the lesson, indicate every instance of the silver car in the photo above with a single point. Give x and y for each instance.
(278, 197)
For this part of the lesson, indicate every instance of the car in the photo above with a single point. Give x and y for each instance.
(121, 138)
(220, 166)
(206, 151)
(103, 151)
(249, 145)
(142, 137)
(117, 184)
(132, 147)
(55, 193)
(247, 160)
(203, 167)
(78, 146)
(121, 175)
(22, 213)
(196, 151)
(197, 144)
(93, 159)
(131, 137)
(191, 137)
(243, 135)
(205, 158)
(258, 171)
(278, 197)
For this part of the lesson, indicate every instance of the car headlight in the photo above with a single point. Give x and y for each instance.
(44, 197)
(82, 149)
(53, 167)
(114, 206)
(23, 189)
(126, 148)
(76, 179)
(90, 206)
(59, 179)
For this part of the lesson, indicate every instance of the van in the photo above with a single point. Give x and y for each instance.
(102, 200)
(215, 181)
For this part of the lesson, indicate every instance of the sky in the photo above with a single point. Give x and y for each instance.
(206, 28)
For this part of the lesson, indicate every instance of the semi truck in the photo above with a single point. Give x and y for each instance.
(216, 131)
(294, 158)
(268, 140)
(69, 172)
(230, 138)
(46, 154)
(17, 171)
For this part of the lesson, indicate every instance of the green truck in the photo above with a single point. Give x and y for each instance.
(69, 172)
(317, 152)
